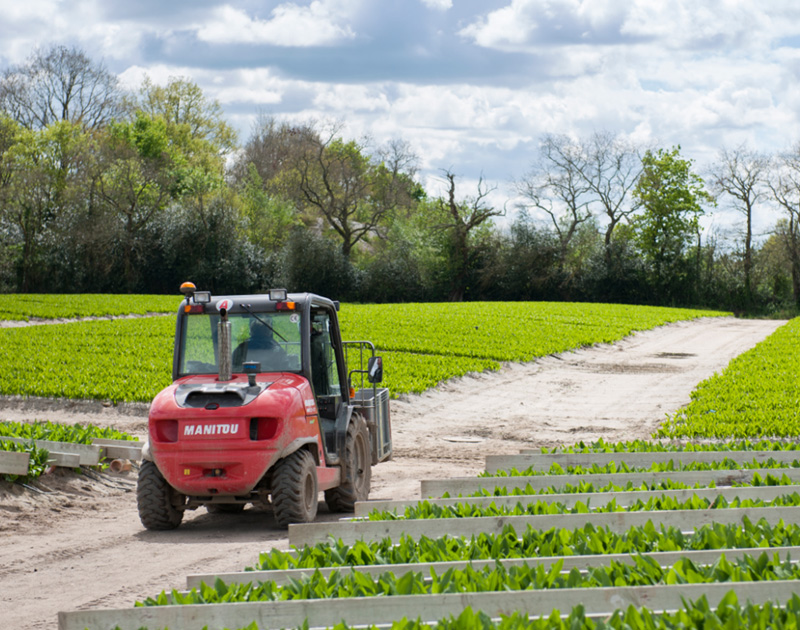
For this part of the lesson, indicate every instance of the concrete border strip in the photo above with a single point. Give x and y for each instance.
(89, 454)
(468, 485)
(363, 508)
(685, 520)
(543, 462)
(384, 610)
(14, 463)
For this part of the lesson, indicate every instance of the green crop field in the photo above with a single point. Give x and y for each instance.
(757, 394)
(501, 331)
(422, 344)
(23, 307)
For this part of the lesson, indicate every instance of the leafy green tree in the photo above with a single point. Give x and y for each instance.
(43, 173)
(147, 164)
(774, 268)
(268, 219)
(671, 198)
(182, 103)
(140, 174)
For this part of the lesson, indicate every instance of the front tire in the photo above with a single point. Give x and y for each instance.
(157, 500)
(295, 493)
(358, 473)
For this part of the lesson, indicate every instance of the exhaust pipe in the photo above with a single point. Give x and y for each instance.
(224, 339)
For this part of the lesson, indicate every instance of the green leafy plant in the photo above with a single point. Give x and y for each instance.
(639, 571)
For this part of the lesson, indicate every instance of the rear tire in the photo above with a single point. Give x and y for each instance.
(157, 500)
(295, 494)
(358, 474)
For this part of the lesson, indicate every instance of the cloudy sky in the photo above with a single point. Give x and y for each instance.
(470, 84)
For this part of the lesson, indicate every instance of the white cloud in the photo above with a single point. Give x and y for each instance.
(321, 23)
(510, 25)
(438, 5)
(528, 24)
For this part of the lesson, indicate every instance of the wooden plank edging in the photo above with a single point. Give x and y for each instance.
(351, 531)
(766, 493)
(664, 558)
(384, 610)
(468, 485)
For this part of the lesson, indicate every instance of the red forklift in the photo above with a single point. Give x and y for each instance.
(262, 410)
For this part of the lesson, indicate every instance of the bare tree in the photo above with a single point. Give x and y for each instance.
(60, 84)
(612, 167)
(354, 193)
(463, 218)
(400, 165)
(741, 174)
(558, 185)
(272, 148)
(784, 185)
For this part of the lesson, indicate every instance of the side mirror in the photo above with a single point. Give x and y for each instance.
(375, 369)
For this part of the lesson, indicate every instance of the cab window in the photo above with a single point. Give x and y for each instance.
(324, 369)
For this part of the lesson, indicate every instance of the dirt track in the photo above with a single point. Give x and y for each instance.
(82, 546)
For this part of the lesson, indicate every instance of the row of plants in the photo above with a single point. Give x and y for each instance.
(58, 432)
(639, 571)
(422, 345)
(25, 306)
(651, 446)
(428, 509)
(531, 543)
(52, 431)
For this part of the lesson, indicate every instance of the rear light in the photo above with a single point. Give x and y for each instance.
(263, 428)
(166, 431)
(285, 306)
(194, 309)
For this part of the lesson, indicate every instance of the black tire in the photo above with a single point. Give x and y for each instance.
(295, 494)
(157, 500)
(358, 473)
(224, 508)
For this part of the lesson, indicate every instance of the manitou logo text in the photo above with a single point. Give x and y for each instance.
(211, 429)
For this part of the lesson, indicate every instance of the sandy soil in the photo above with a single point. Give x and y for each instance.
(75, 542)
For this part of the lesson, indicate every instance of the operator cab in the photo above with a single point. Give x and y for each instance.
(272, 333)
